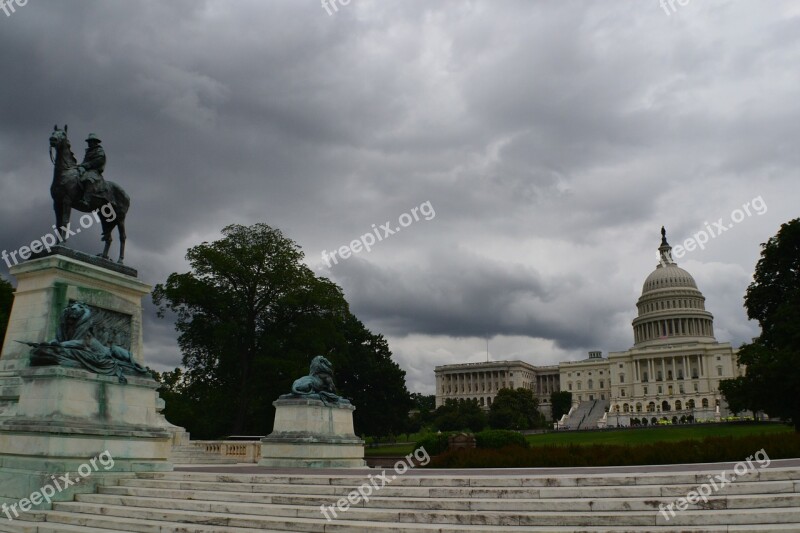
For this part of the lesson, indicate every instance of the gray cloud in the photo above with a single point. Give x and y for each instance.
(553, 139)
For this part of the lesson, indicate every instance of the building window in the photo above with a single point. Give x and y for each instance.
(705, 403)
(645, 390)
(623, 392)
(569, 386)
(591, 384)
(645, 377)
(719, 370)
(695, 387)
(660, 390)
(622, 378)
(601, 383)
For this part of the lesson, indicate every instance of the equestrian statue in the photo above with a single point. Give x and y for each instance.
(82, 187)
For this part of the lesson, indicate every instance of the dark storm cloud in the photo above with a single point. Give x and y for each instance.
(552, 138)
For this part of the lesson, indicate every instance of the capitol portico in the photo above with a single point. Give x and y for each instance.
(673, 368)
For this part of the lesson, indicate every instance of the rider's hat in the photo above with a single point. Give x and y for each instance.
(93, 137)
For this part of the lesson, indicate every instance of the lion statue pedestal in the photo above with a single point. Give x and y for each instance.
(307, 433)
(313, 426)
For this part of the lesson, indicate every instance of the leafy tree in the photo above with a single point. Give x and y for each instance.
(424, 406)
(250, 317)
(773, 358)
(6, 299)
(560, 404)
(424, 402)
(461, 414)
(515, 409)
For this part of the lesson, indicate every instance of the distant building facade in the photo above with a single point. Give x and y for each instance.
(481, 381)
(673, 369)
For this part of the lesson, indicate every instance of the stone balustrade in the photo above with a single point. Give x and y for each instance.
(241, 451)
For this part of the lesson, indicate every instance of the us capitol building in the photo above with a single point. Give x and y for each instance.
(674, 367)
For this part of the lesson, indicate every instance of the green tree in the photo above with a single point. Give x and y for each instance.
(461, 414)
(423, 407)
(6, 299)
(560, 404)
(515, 409)
(773, 358)
(250, 316)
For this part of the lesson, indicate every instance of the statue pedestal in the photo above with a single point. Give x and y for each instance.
(45, 286)
(56, 420)
(307, 433)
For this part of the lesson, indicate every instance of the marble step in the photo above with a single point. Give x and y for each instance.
(258, 503)
(21, 526)
(330, 491)
(82, 523)
(359, 518)
(446, 479)
(443, 478)
(67, 523)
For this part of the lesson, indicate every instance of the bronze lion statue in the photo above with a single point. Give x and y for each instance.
(318, 384)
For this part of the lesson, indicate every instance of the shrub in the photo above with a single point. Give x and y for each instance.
(708, 450)
(499, 438)
(434, 443)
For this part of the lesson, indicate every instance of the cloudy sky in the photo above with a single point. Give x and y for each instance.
(550, 140)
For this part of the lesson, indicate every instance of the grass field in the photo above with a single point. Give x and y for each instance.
(657, 434)
(622, 436)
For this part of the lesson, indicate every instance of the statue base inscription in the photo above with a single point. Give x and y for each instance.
(310, 434)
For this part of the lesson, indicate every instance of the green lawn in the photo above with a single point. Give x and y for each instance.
(658, 434)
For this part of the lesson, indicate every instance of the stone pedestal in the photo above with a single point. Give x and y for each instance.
(45, 286)
(307, 433)
(56, 420)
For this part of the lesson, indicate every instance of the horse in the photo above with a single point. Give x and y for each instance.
(67, 193)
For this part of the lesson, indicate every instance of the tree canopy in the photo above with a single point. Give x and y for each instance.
(772, 377)
(515, 409)
(560, 404)
(460, 414)
(250, 317)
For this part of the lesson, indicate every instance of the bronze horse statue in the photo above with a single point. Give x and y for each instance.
(67, 195)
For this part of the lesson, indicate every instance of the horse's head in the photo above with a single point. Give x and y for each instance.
(60, 143)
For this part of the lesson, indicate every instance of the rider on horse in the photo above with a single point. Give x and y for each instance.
(91, 170)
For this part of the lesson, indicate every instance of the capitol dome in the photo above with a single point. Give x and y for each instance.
(668, 275)
(671, 308)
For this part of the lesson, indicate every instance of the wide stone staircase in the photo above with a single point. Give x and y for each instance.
(427, 501)
(587, 414)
